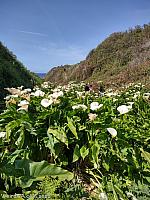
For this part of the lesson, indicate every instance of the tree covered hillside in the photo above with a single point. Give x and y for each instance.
(121, 58)
(12, 72)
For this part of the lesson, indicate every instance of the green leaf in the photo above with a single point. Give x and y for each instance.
(15, 154)
(20, 140)
(72, 127)
(16, 198)
(84, 152)
(28, 127)
(95, 152)
(10, 126)
(146, 155)
(106, 166)
(76, 153)
(114, 192)
(59, 134)
(34, 171)
(49, 142)
(120, 192)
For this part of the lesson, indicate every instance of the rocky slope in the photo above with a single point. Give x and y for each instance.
(121, 58)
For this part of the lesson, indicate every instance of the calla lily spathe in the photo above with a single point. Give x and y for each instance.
(2, 134)
(46, 102)
(123, 109)
(22, 103)
(39, 93)
(92, 116)
(79, 106)
(112, 131)
(95, 106)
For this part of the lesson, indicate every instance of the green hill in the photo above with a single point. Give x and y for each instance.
(121, 58)
(13, 73)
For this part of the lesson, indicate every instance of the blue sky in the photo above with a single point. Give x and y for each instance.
(47, 33)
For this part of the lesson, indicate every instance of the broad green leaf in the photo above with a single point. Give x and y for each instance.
(49, 142)
(146, 155)
(26, 182)
(14, 155)
(148, 179)
(29, 128)
(72, 127)
(20, 140)
(76, 153)
(34, 171)
(59, 134)
(84, 152)
(95, 152)
(10, 126)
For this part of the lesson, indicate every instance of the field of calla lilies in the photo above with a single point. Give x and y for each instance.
(64, 143)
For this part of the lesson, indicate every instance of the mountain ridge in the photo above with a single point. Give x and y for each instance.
(121, 58)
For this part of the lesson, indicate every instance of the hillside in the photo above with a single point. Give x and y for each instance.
(13, 73)
(121, 58)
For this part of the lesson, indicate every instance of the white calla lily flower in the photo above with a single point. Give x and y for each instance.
(103, 196)
(130, 104)
(23, 107)
(95, 106)
(23, 103)
(146, 96)
(92, 116)
(124, 109)
(112, 131)
(79, 106)
(55, 95)
(39, 93)
(2, 134)
(111, 94)
(46, 102)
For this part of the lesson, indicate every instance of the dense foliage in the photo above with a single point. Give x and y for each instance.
(121, 58)
(100, 144)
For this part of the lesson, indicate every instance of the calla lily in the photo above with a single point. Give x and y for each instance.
(13, 91)
(39, 93)
(112, 131)
(55, 95)
(23, 107)
(79, 93)
(146, 96)
(130, 104)
(2, 134)
(111, 94)
(95, 106)
(123, 109)
(11, 96)
(79, 106)
(103, 196)
(46, 102)
(92, 116)
(23, 103)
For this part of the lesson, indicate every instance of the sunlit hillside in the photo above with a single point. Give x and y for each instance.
(121, 58)
(12, 72)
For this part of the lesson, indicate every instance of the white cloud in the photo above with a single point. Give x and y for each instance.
(32, 33)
